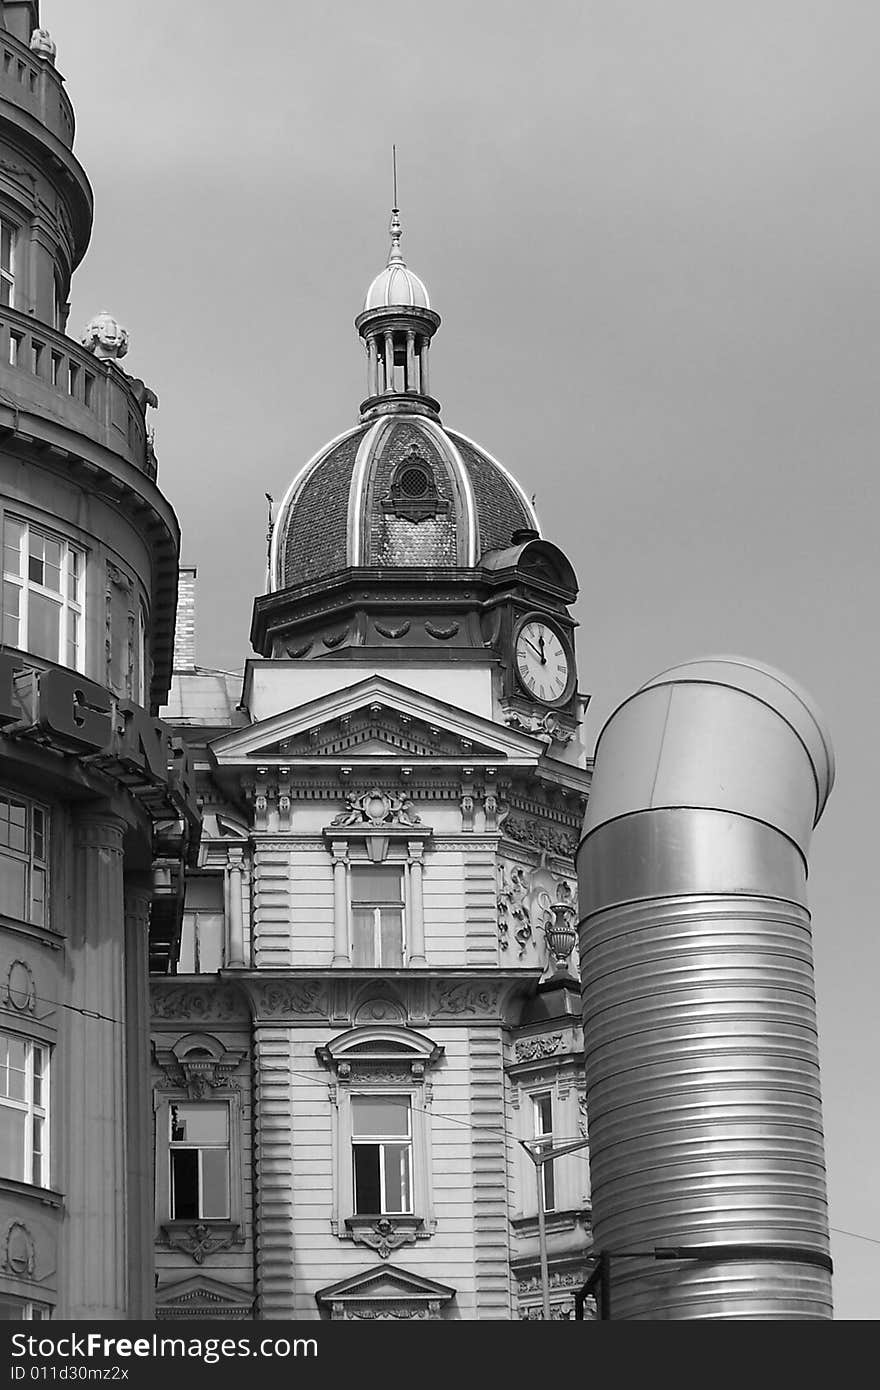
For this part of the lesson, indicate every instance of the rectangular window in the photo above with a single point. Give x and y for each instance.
(24, 1110)
(199, 1154)
(43, 593)
(201, 936)
(376, 915)
(381, 1141)
(21, 1310)
(24, 859)
(7, 263)
(543, 1109)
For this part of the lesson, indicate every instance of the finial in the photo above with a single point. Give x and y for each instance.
(395, 256)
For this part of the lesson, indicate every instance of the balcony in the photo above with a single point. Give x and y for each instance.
(35, 86)
(63, 389)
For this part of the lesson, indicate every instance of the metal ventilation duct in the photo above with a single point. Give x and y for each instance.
(699, 1009)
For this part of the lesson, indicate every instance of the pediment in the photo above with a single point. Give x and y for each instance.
(201, 1296)
(386, 1283)
(373, 721)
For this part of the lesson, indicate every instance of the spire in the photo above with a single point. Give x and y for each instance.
(397, 325)
(395, 256)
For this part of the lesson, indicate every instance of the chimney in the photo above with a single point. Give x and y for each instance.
(185, 626)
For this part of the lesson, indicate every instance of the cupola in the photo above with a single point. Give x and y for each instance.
(397, 324)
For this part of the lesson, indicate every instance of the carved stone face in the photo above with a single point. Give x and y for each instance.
(106, 338)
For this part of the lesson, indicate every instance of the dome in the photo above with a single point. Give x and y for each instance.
(398, 491)
(396, 285)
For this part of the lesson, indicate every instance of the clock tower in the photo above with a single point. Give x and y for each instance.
(387, 889)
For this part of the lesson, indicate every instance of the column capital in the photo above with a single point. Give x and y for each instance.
(98, 827)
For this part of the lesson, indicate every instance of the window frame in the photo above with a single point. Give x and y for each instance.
(357, 867)
(69, 605)
(31, 1309)
(543, 1139)
(7, 275)
(197, 1067)
(29, 1107)
(199, 1147)
(381, 1060)
(36, 864)
(383, 1143)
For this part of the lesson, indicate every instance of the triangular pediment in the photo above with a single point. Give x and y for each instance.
(386, 1282)
(373, 721)
(201, 1296)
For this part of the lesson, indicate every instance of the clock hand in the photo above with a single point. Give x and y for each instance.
(535, 649)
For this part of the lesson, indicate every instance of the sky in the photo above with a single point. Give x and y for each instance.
(653, 234)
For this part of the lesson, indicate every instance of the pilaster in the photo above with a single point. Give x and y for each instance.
(273, 1191)
(92, 1066)
(137, 895)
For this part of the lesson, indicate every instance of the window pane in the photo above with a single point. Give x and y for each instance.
(38, 896)
(44, 621)
(13, 879)
(391, 926)
(200, 1124)
(186, 962)
(367, 1196)
(6, 248)
(184, 1183)
(11, 628)
(215, 1183)
(13, 1124)
(383, 885)
(397, 1184)
(209, 939)
(12, 534)
(380, 1115)
(362, 934)
(543, 1115)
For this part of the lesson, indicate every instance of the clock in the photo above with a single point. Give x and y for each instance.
(542, 662)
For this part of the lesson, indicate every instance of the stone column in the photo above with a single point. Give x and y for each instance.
(91, 1078)
(416, 955)
(235, 919)
(411, 360)
(389, 362)
(341, 954)
(423, 367)
(373, 367)
(139, 1126)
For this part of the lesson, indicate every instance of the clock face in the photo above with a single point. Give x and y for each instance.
(541, 661)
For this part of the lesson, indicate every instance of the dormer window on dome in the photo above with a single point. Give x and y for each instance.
(397, 325)
(413, 493)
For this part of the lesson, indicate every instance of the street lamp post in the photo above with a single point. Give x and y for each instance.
(540, 1153)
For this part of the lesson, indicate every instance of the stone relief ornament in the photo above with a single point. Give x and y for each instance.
(383, 1236)
(200, 1240)
(513, 912)
(465, 999)
(538, 835)
(43, 45)
(544, 726)
(21, 991)
(376, 807)
(19, 1253)
(105, 338)
(533, 1049)
(531, 900)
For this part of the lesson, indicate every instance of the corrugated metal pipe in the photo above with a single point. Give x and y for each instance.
(702, 1065)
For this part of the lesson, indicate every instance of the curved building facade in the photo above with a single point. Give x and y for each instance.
(94, 812)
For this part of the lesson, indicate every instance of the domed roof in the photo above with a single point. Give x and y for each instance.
(398, 491)
(396, 285)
